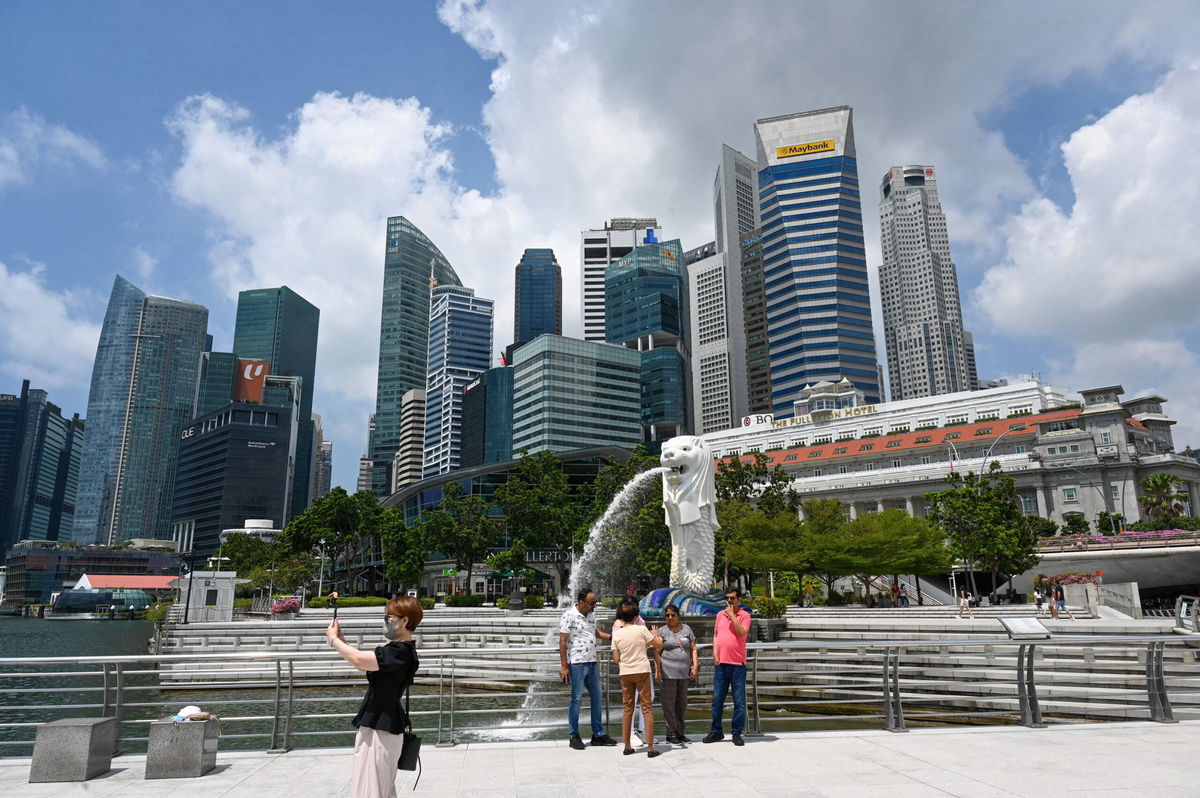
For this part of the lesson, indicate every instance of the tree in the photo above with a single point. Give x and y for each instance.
(1042, 527)
(1109, 523)
(821, 536)
(767, 543)
(1162, 497)
(541, 507)
(404, 548)
(755, 482)
(731, 513)
(281, 570)
(244, 552)
(1075, 524)
(460, 529)
(981, 516)
(345, 523)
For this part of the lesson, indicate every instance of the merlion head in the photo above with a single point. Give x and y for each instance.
(691, 477)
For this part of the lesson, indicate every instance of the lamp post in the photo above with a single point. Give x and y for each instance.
(1111, 520)
(1012, 428)
(321, 576)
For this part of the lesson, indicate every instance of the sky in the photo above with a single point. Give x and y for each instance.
(201, 149)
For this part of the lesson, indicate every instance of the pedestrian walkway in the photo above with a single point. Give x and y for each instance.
(1111, 759)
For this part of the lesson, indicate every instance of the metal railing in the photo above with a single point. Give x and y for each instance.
(1119, 542)
(1187, 613)
(280, 701)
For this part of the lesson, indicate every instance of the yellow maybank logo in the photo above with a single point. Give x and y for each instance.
(811, 147)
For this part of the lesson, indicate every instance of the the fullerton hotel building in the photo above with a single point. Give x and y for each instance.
(1065, 458)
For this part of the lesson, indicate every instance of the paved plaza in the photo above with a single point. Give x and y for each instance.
(1113, 759)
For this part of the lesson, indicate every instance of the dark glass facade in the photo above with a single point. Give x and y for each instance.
(487, 408)
(216, 381)
(39, 468)
(409, 259)
(758, 355)
(143, 390)
(280, 326)
(538, 297)
(646, 310)
(233, 465)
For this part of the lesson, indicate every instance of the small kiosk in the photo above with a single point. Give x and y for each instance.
(206, 596)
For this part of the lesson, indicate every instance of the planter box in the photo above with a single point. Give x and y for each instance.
(284, 616)
(769, 629)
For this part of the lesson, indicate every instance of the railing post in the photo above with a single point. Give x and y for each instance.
(278, 701)
(893, 712)
(754, 687)
(1156, 690)
(441, 692)
(104, 712)
(120, 707)
(606, 688)
(448, 743)
(1031, 711)
(287, 726)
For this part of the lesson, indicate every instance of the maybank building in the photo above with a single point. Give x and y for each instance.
(814, 260)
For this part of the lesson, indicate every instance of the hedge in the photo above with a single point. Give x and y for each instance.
(531, 602)
(769, 607)
(322, 602)
(473, 600)
(426, 603)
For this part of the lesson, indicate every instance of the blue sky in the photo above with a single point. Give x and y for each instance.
(201, 149)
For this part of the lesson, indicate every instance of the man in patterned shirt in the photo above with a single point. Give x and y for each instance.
(577, 652)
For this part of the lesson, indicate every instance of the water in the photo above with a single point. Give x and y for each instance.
(602, 561)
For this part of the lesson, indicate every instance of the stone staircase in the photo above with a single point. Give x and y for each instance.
(1073, 681)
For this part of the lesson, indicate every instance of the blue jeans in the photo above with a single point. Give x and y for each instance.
(588, 673)
(725, 676)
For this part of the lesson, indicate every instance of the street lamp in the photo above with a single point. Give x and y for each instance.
(1111, 519)
(321, 577)
(1012, 428)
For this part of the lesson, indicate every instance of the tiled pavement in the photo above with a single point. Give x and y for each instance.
(1113, 759)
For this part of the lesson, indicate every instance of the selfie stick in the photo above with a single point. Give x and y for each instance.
(333, 599)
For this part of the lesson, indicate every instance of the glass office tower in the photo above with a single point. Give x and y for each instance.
(460, 348)
(814, 259)
(487, 407)
(280, 326)
(409, 262)
(646, 310)
(538, 296)
(143, 391)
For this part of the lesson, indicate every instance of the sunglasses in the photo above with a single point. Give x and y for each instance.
(672, 615)
(731, 598)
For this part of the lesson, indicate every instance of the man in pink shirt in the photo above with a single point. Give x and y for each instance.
(730, 633)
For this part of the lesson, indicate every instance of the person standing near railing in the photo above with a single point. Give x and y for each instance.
(675, 666)
(629, 653)
(577, 653)
(381, 720)
(730, 632)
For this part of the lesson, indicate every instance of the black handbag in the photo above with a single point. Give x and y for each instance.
(410, 754)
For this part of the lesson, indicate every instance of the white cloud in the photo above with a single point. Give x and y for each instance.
(1122, 262)
(27, 141)
(45, 334)
(144, 263)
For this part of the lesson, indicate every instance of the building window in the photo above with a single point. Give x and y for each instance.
(1074, 447)
(1115, 490)
(817, 472)
(1070, 495)
(953, 436)
(866, 447)
(893, 443)
(816, 453)
(791, 457)
(925, 460)
(1105, 436)
(870, 467)
(1028, 504)
(842, 469)
(896, 463)
(840, 450)
(1019, 448)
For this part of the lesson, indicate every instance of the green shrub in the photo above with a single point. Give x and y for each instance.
(243, 603)
(768, 607)
(322, 602)
(502, 602)
(611, 603)
(535, 602)
(474, 600)
(157, 612)
(426, 603)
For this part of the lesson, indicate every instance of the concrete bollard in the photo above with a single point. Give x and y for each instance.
(73, 749)
(182, 750)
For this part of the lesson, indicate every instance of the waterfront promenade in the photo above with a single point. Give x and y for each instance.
(1106, 759)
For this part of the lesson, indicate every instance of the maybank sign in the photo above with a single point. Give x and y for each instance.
(812, 147)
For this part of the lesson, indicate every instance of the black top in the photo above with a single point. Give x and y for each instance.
(381, 708)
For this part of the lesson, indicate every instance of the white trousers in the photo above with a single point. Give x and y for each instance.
(375, 757)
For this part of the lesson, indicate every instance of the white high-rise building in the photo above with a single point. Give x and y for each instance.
(597, 249)
(410, 457)
(927, 351)
(715, 292)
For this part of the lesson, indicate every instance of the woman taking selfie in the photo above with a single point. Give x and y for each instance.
(381, 719)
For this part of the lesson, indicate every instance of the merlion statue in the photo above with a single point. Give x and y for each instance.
(690, 501)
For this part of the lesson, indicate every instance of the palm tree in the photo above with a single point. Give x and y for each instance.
(1161, 496)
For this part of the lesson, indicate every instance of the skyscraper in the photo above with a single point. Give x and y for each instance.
(754, 309)
(322, 472)
(487, 407)
(599, 248)
(818, 306)
(538, 297)
(570, 394)
(922, 316)
(409, 260)
(279, 326)
(39, 468)
(143, 391)
(646, 310)
(409, 462)
(716, 305)
(460, 346)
